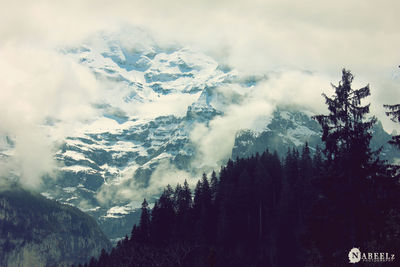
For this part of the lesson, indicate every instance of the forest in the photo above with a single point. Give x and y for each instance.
(309, 208)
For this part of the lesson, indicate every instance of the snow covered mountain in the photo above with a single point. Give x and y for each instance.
(152, 101)
(293, 128)
(287, 128)
(138, 134)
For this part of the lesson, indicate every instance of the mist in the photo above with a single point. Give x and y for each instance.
(37, 86)
(305, 43)
(132, 191)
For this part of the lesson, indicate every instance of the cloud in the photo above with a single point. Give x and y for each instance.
(129, 190)
(253, 111)
(38, 85)
(254, 108)
(254, 37)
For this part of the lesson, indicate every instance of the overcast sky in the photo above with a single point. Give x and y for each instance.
(252, 36)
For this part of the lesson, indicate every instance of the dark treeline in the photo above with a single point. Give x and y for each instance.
(308, 209)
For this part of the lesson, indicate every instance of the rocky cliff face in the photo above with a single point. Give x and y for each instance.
(35, 231)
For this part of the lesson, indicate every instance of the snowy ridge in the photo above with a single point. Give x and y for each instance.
(153, 98)
(124, 146)
(142, 74)
(286, 128)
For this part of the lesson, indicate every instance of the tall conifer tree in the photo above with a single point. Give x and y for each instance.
(351, 169)
(345, 130)
(144, 224)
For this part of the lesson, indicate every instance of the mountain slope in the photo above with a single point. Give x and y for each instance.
(292, 128)
(35, 231)
(122, 148)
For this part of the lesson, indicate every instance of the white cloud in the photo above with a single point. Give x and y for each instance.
(252, 36)
(36, 85)
(253, 111)
(130, 190)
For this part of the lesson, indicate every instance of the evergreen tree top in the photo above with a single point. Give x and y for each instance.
(345, 126)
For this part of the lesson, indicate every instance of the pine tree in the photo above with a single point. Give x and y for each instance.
(305, 163)
(351, 169)
(213, 212)
(197, 200)
(144, 224)
(213, 186)
(183, 196)
(203, 205)
(292, 166)
(317, 162)
(163, 218)
(206, 192)
(134, 232)
(103, 258)
(275, 171)
(345, 131)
